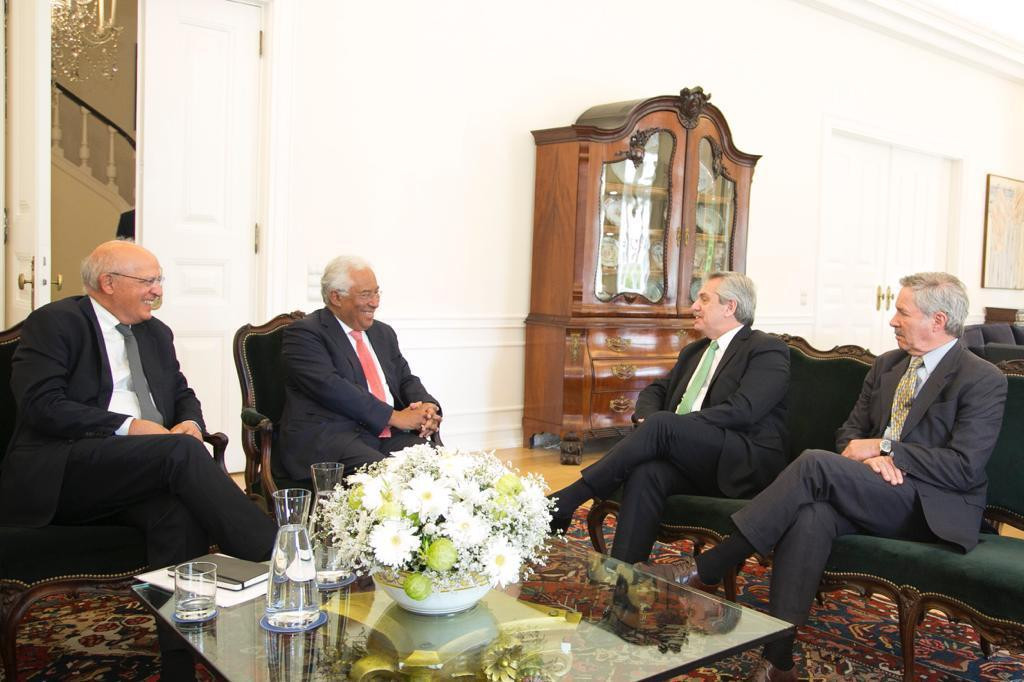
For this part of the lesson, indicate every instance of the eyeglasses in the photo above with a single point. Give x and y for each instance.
(363, 296)
(148, 281)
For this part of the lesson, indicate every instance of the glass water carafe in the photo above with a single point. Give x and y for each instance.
(292, 597)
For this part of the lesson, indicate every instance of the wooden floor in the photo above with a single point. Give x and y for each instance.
(537, 460)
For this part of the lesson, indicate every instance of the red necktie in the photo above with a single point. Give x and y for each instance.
(370, 370)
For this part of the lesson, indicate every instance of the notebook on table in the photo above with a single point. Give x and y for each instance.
(232, 573)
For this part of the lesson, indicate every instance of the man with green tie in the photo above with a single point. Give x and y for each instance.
(716, 425)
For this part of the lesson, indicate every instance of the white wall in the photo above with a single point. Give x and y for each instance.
(410, 144)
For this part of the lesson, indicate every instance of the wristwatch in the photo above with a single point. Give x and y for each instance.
(886, 447)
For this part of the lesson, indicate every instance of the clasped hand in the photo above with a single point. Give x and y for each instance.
(867, 450)
(145, 427)
(419, 416)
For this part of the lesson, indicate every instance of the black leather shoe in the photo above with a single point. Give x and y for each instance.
(682, 572)
(766, 672)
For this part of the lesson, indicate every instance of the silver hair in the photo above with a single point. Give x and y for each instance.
(338, 275)
(940, 292)
(96, 264)
(737, 287)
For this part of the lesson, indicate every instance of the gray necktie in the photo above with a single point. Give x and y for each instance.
(139, 383)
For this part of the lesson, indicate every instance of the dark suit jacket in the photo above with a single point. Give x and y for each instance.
(326, 397)
(61, 379)
(947, 438)
(746, 398)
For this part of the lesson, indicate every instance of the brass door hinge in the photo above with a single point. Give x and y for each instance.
(256, 239)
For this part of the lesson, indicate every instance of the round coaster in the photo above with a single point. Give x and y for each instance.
(317, 622)
(335, 585)
(187, 621)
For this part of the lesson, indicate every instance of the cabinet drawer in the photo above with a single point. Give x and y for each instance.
(611, 343)
(629, 373)
(612, 408)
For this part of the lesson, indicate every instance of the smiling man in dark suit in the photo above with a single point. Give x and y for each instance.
(910, 464)
(108, 429)
(349, 394)
(714, 426)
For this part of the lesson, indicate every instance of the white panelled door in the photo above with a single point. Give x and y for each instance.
(198, 135)
(885, 214)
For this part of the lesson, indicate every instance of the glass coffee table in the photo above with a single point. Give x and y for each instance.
(583, 615)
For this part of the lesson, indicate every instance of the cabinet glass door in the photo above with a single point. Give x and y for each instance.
(716, 208)
(633, 217)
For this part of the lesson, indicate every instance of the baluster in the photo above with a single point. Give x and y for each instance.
(111, 166)
(56, 132)
(83, 150)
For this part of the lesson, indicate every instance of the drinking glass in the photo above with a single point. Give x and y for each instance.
(292, 598)
(195, 591)
(326, 477)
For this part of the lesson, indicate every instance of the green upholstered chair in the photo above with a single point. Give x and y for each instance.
(822, 390)
(38, 562)
(257, 350)
(985, 587)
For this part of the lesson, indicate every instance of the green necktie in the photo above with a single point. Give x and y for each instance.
(697, 382)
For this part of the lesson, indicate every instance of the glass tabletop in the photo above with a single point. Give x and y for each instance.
(582, 615)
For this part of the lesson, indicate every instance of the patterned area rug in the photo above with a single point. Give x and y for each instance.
(848, 638)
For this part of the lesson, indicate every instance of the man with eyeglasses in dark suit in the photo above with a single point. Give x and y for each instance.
(350, 396)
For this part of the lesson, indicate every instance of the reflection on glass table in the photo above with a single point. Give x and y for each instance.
(582, 615)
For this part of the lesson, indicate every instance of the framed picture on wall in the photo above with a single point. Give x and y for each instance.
(1002, 265)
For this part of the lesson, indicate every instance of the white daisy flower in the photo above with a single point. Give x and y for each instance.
(463, 527)
(427, 497)
(373, 493)
(393, 542)
(502, 562)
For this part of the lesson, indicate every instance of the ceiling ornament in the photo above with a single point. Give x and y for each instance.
(84, 40)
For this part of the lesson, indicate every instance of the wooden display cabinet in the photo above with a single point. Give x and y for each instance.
(635, 204)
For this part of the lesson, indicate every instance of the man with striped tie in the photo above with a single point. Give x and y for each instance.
(910, 464)
(716, 425)
(349, 394)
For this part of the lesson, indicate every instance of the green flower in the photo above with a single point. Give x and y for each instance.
(441, 554)
(355, 498)
(389, 510)
(417, 586)
(509, 484)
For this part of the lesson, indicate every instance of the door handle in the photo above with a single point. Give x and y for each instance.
(22, 281)
(59, 282)
(888, 296)
(878, 298)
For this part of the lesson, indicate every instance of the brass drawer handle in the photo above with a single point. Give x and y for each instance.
(618, 344)
(624, 371)
(620, 405)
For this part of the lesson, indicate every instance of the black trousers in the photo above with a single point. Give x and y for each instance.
(367, 449)
(170, 488)
(666, 455)
(817, 498)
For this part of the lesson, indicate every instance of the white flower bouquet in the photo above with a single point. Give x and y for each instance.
(435, 520)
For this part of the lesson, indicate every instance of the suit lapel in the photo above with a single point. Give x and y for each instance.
(106, 377)
(945, 370)
(151, 368)
(730, 352)
(333, 331)
(379, 342)
(691, 366)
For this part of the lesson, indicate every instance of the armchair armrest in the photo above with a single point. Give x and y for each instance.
(219, 441)
(263, 430)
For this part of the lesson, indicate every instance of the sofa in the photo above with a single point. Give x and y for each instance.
(984, 588)
(996, 341)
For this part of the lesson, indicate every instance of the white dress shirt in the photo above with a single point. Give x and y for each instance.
(373, 354)
(723, 343)
(123, 398)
